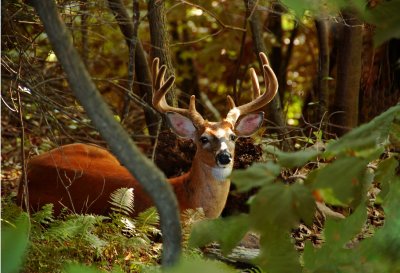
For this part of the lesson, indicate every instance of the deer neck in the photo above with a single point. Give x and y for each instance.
(209, 186)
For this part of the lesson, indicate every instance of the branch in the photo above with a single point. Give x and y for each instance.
(151, 178)
(142, 70)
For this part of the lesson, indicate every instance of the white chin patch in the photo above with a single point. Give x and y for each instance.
(221, 173)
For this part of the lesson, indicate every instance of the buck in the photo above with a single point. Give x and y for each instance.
(81, 177)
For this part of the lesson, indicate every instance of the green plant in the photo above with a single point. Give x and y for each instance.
(342, 179)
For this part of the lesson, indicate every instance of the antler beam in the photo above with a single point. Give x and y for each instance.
(258, 102)
(161, 87)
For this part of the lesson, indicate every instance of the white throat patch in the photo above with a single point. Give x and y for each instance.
(220, 173)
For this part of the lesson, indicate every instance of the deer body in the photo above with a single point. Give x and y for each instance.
(81, 177)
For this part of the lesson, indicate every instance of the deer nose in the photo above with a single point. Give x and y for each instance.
(224, 158)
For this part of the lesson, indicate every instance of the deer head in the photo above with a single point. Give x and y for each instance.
(215, 141)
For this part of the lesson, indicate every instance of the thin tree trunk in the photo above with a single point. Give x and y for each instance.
(142, 70)
(148, 175)
(84, 31)
(190, 83)
(348, 74)
(322, 26)
(160, 42)
(274, 108)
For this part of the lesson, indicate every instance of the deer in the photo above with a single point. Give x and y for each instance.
(80, 177)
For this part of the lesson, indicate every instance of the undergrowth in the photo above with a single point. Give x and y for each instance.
(118, 243)
(342, 175)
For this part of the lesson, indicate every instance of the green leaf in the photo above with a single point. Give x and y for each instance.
(386, 20)
(328, 196)
(280, 205)
(226, 231)
(278, 253)
(345, 177)
(14, 242)
(259, 174)
(385, 245)
(386, 173)
(325, 260)
(334, 256)
(338, 232)
(366, 136)
(198, 265)
(295, 159)
(297, 6)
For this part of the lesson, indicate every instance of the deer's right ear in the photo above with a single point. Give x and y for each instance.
(181, 125)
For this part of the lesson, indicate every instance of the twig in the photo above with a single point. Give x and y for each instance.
(23, 159)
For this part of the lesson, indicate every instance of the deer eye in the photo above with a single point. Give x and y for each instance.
(232, 137)
(204, 140)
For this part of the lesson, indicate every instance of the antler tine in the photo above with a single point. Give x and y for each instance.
(258, 101)
(161, 87)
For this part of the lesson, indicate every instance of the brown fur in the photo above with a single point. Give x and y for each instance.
(81, 177)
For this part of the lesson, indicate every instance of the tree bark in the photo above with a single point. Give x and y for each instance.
(142, 70)
(274, 108)
(149, 176)
(348, 74)
(160, 42)
(322, 26)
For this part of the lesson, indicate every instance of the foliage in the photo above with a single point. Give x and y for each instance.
(122, 201)
(278, 207)
(384, 16)
(48, 243)
(14, 241)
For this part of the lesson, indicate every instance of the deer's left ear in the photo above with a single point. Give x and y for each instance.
(249, 124)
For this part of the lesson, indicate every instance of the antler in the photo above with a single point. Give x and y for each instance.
(161, 87)
(258, 101)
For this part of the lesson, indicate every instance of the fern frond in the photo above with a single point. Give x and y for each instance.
(76, 225)
(128, 225)
(189, 218)
(45, 215)
(79, 228)
(148, 221)
(122, 201)
(95, 242)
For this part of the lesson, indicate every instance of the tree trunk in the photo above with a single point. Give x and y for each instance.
(160, 42)
(380, 80)
(142, 70)
(322, 26)
(345, 108)
(274, 108)
(149, 176)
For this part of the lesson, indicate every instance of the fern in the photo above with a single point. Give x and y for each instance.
(79, 228)
(189, 218)
(147, 222)
(44, 216)
(122, 201)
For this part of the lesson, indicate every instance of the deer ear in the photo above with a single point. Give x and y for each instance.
(249, 124)
(181, 125)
